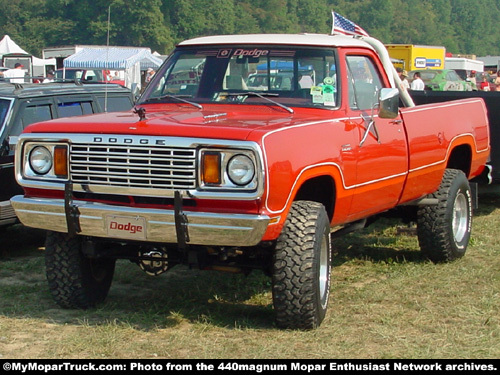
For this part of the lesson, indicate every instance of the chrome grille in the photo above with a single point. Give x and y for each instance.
(135, 166)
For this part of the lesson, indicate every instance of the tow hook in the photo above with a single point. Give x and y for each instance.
(71, 210)
(181, 222)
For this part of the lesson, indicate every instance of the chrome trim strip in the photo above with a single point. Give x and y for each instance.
(211, 229)
(6, 165)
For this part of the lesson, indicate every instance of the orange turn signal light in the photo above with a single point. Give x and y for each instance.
(211, 168)
(61, 161)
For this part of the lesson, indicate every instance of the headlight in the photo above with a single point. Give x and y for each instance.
(44, 160)
(240, 169)
(229, 170)
(40, 160)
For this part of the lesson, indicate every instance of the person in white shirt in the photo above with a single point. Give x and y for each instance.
(15, 75)
(50, 77)
(403, 75)
(417, 83)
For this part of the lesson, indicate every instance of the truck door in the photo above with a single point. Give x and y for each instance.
(381, 151)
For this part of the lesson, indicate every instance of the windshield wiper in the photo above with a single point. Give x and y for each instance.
(263, 96)
(179, 98)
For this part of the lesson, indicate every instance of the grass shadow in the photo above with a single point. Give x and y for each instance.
(489, 199)
(384, 241)
(18, 241)
(220, 299)
(143, 302)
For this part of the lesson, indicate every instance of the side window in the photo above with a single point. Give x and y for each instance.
(70, 109)
(4, 107)
(452, 76)
(116, 103)
(364, 82)
(29, 113)
(35, 113)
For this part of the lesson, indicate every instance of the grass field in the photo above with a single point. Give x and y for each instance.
(387, 301)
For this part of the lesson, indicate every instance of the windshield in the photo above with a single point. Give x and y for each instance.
(305, 77)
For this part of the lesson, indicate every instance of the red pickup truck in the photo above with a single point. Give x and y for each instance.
(212, 173)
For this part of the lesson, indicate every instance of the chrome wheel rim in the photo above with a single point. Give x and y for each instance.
(460, 221)
(324, 272)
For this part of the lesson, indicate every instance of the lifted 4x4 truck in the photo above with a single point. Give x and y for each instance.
(208, 173)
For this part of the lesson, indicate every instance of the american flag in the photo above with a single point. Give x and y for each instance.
(342, 25)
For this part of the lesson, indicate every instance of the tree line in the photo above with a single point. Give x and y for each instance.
(462, 26)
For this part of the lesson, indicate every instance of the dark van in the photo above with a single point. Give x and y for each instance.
(22, 105)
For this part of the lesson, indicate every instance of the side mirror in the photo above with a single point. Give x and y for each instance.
(12, 143)
(388, 101)
(8, 146)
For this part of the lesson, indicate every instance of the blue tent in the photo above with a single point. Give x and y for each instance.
(282, 65)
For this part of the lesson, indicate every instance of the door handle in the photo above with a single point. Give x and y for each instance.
(396, 122)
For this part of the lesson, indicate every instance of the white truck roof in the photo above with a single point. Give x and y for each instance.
(316, 40)
(322, 40)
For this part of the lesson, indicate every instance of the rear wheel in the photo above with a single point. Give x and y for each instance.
(301, 267)
(444, 229)
(75, 280)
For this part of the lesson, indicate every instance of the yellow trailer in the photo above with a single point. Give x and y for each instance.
(411, 57)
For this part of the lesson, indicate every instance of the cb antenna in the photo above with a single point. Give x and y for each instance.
(107, 62)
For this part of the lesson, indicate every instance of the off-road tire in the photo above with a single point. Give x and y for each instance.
(75, 281)
(301, 267)
(444, 229)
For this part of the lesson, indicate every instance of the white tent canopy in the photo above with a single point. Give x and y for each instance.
(8, 46)
(131, 60)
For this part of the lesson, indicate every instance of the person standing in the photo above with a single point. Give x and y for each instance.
(471, 79)
(485, 85)
(497, 82)
(403, 76)
(15, 75)
(149, 74)
(50, 77)
(417, 84)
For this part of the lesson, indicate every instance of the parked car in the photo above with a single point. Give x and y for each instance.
(489, 79)
(441, 80)
(22, 106)
(86, 76)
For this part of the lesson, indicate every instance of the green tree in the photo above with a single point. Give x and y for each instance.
(137, 23)
(312, 16)
(461, 26)
(376, 18)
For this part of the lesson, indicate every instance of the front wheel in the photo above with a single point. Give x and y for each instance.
(301, 267)
(444, 229)
(75, 280)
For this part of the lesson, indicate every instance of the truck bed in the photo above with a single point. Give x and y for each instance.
(492, 101)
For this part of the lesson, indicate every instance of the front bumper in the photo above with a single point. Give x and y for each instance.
(210, 229)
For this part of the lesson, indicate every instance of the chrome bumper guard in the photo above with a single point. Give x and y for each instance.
(101, 220)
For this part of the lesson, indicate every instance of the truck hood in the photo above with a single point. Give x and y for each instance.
(213, 121)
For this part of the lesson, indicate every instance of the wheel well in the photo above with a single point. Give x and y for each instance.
(319, 189)
(460, 158)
